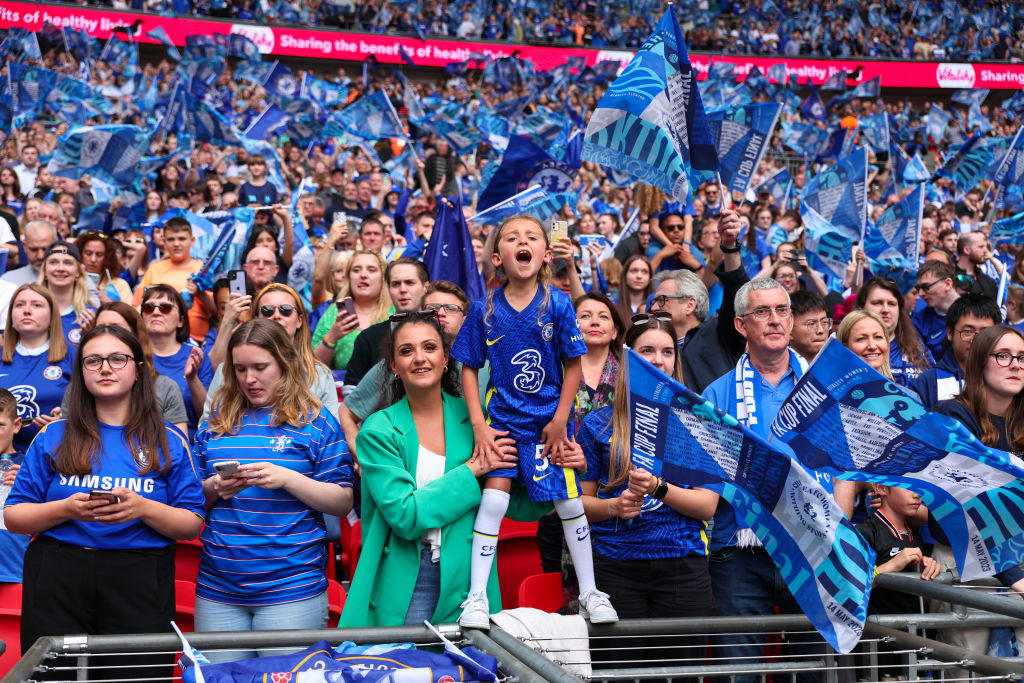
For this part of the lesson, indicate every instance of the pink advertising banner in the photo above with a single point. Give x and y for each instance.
(324, 43)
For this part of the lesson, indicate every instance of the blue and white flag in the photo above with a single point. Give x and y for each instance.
(777, 73)
(1014, 106)
(267, 124)
(29, 86)
(160, 35)
(839, 194)
(836, 81)
(108, 153)
(968, 165)
(742, 135)
(281, 81)
(875, 130)
(449, 255)
(938, 120)
(534, 201)
(651, 122)
(371, 117)
(254, 72)
(206, 124)
(680, 436)
(976, 121)
(813, 108)
(525, 165)
(829, 248)
(1010, 170)
(846, 418)
(970, 96)
(894, 240)
(323, 91)
(1008, 231)
(867, 89)
(803, 138)
(777, 185)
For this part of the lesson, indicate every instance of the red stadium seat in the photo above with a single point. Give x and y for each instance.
(185, 605)
(518, 558)
(186, 560)
(10, 625)
(335, 602)
(354, 546)
(542, 591)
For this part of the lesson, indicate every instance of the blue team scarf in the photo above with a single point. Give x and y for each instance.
(748, 386)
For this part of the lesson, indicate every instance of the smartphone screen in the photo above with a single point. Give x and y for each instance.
(236, 282)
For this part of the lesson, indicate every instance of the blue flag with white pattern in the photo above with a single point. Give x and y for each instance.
(108, 153)
(894, 240)
(323, 91)
(839, 194)
(827, 565)
(846, 418)
(937, 120)
(1010, 169)
(829, 248)
(651, 122)
(742, 135)
(970, 96)
(968, 165)
(1008, 231)
(803, 138)
(449, 255)
(533, 201)
(371, 117)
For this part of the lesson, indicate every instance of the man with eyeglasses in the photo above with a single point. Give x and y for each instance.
(811, 323)
(935, 286)
(451, 304)
(745, 580)
(967, 316)
(261, 267)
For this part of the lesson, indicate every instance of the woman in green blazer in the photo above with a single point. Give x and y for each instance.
(421, 489)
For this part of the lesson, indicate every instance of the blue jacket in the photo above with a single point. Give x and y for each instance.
(941, 383)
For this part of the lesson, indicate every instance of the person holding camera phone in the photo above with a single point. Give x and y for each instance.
(106, 492)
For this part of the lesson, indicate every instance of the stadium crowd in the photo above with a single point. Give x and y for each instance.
(332, 299)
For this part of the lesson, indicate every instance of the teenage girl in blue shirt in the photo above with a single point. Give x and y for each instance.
(529, 334)
(263, 561)
(106, 493)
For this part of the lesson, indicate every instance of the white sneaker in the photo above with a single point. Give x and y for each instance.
(475, 612)
(595, 606)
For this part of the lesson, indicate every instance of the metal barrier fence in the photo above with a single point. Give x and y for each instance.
(631, 650)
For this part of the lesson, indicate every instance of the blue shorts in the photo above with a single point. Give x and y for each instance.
(543, 481)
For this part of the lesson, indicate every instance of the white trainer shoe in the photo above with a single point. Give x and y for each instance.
(475, 612)
(595, 606)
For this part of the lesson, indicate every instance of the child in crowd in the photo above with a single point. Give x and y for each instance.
(529, 334)
(1015, 306)
(12, 546)
(257, 190)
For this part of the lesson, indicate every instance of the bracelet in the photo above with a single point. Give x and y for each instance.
(328, 344)
(731, 250)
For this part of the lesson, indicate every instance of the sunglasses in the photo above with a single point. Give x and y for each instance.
(266, 310)
(399, 318)
(652, 317)
(672, 227)
(164, 308)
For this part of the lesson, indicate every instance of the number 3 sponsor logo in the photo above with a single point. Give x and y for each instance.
(531, 375)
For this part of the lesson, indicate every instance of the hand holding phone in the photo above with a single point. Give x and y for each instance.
(559, 231)
(98, 494)
(347, 304)
(226, 468)
(236, 282)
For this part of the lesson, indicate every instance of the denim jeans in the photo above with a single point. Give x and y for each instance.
(426, 591)
(217, 616)
(747, 583)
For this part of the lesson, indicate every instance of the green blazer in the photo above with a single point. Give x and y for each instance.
(395, 515)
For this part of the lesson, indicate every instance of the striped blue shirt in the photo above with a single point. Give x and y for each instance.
(264, 546)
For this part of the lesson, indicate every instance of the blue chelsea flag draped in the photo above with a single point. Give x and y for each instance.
(651, 122)
(826, 564)
(846, 418)
(526, 164)
(449, 256)
(895, 239)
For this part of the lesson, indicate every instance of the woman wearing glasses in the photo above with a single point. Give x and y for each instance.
(650, 543)
(274, 461)
(421, 488)
(106, 493)
(908, 357)
(336, 330)
(174, 354)
(787, 273)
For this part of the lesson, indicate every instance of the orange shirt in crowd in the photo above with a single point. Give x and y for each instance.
(167, 272)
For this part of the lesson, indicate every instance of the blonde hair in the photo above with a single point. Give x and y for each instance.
(543, 275)
(382, 310)
(58, 347)
(339, 259)
(79, 291)
(293, 402)
(303, 340)
(846, 329)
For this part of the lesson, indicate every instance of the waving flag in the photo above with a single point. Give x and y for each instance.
(742, 135)
(968, 165)
(206, 124)
(29, 85)
(875, 130)
(323, 91)
(813, 108)
(895, 239)
(844, 417)
(803, 138)
(533, 200)
(267, 123)
(970, 96)
(651, 122)
(977, 120)
(372, 118)
(281, 81)
(777, 185)
(1010, 170)
(1008, 231)
(449, 255)
(777, 73)
(839, 195)
(160, 35)
(1014, 106)
(524, 165)
(836, 81)
(867, 89)
(108, 153)
(255, 72)
(829, 248)
(680, 436)
(938, 120)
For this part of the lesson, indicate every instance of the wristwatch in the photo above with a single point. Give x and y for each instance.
(731, 250)
(661, 491)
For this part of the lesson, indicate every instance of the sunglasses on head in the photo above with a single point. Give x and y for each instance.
(266, 310)
(416, 315)
(149, 307)
(652, 317)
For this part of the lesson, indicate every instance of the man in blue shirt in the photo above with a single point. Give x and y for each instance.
(935, 285)
(745, 580)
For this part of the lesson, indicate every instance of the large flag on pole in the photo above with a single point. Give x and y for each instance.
(449, 256)
(742, 134)
(895, 239)
(846, 418)
(651, 122)
(839, 194)
(827, 565)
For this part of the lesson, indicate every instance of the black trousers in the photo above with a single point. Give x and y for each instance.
(71, 590)
(645, 589)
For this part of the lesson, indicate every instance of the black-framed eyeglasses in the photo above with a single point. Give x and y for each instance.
(116, 361)
(925, 288)
(662, 299)
(151, 306)
(447, 308)
(1004, 359)
(822, 323)
(266, 310)
(967, 333)
(397, 318)
(763, 313)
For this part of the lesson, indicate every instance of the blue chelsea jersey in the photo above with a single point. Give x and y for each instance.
(526, 350)
(116, 465)
(265, 546)
(659, 532)
(38, 385)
